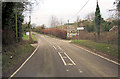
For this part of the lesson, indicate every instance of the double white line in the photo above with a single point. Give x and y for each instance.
(73, 63)
(62, 58)
(59, 48)
(54, 47)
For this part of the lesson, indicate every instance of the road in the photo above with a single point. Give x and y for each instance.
(59, 58)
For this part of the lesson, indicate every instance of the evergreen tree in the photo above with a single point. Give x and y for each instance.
(98, 20)
(9, 22)
(118, 8)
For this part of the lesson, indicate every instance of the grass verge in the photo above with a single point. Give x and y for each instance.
(19, 52)
(108, 49)
(34, 38)
(26, 37)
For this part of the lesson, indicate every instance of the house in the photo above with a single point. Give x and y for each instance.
(72, 29)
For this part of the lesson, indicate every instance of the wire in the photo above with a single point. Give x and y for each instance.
(80, 9)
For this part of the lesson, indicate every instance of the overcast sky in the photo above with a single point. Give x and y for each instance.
(67, 9)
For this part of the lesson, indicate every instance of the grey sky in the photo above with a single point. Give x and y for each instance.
(66, 9)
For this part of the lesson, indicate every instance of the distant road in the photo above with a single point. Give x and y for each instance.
(59, 58)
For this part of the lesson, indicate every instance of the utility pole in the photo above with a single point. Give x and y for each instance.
(78, 25)
(30, 28)
(30, 38)
(68, 29)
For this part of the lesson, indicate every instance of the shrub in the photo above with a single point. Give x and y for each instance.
(56, 32)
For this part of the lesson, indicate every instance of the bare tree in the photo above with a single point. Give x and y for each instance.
(34, 25)
(61, 22)
(30, 5)
(54, 21)
(90, 16)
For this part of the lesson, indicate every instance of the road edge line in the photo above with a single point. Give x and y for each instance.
(24, 63)
(97, 54)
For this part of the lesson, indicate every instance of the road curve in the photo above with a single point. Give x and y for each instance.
(59, 58)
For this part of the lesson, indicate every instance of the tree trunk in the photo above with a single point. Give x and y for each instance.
(98, 32)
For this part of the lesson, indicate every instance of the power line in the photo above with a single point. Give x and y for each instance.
(80, 9)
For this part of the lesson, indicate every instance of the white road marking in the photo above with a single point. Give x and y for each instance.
(70, 59)
(67, 70)
(24, 63)
(59, 47)
(99, 55)
(54, 47)
(69, 64)
(62, 59)
(80, 71)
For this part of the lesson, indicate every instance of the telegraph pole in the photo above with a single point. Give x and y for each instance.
(68, 28)
(78, 25)
(30, 38)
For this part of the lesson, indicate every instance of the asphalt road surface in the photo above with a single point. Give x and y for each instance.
(59, 58)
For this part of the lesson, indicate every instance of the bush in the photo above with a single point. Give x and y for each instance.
(107, 37)
(56, 32)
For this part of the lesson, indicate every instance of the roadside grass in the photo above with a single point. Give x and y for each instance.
(34, 38)
(105, 48)
(19, 52)
(26, 37)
